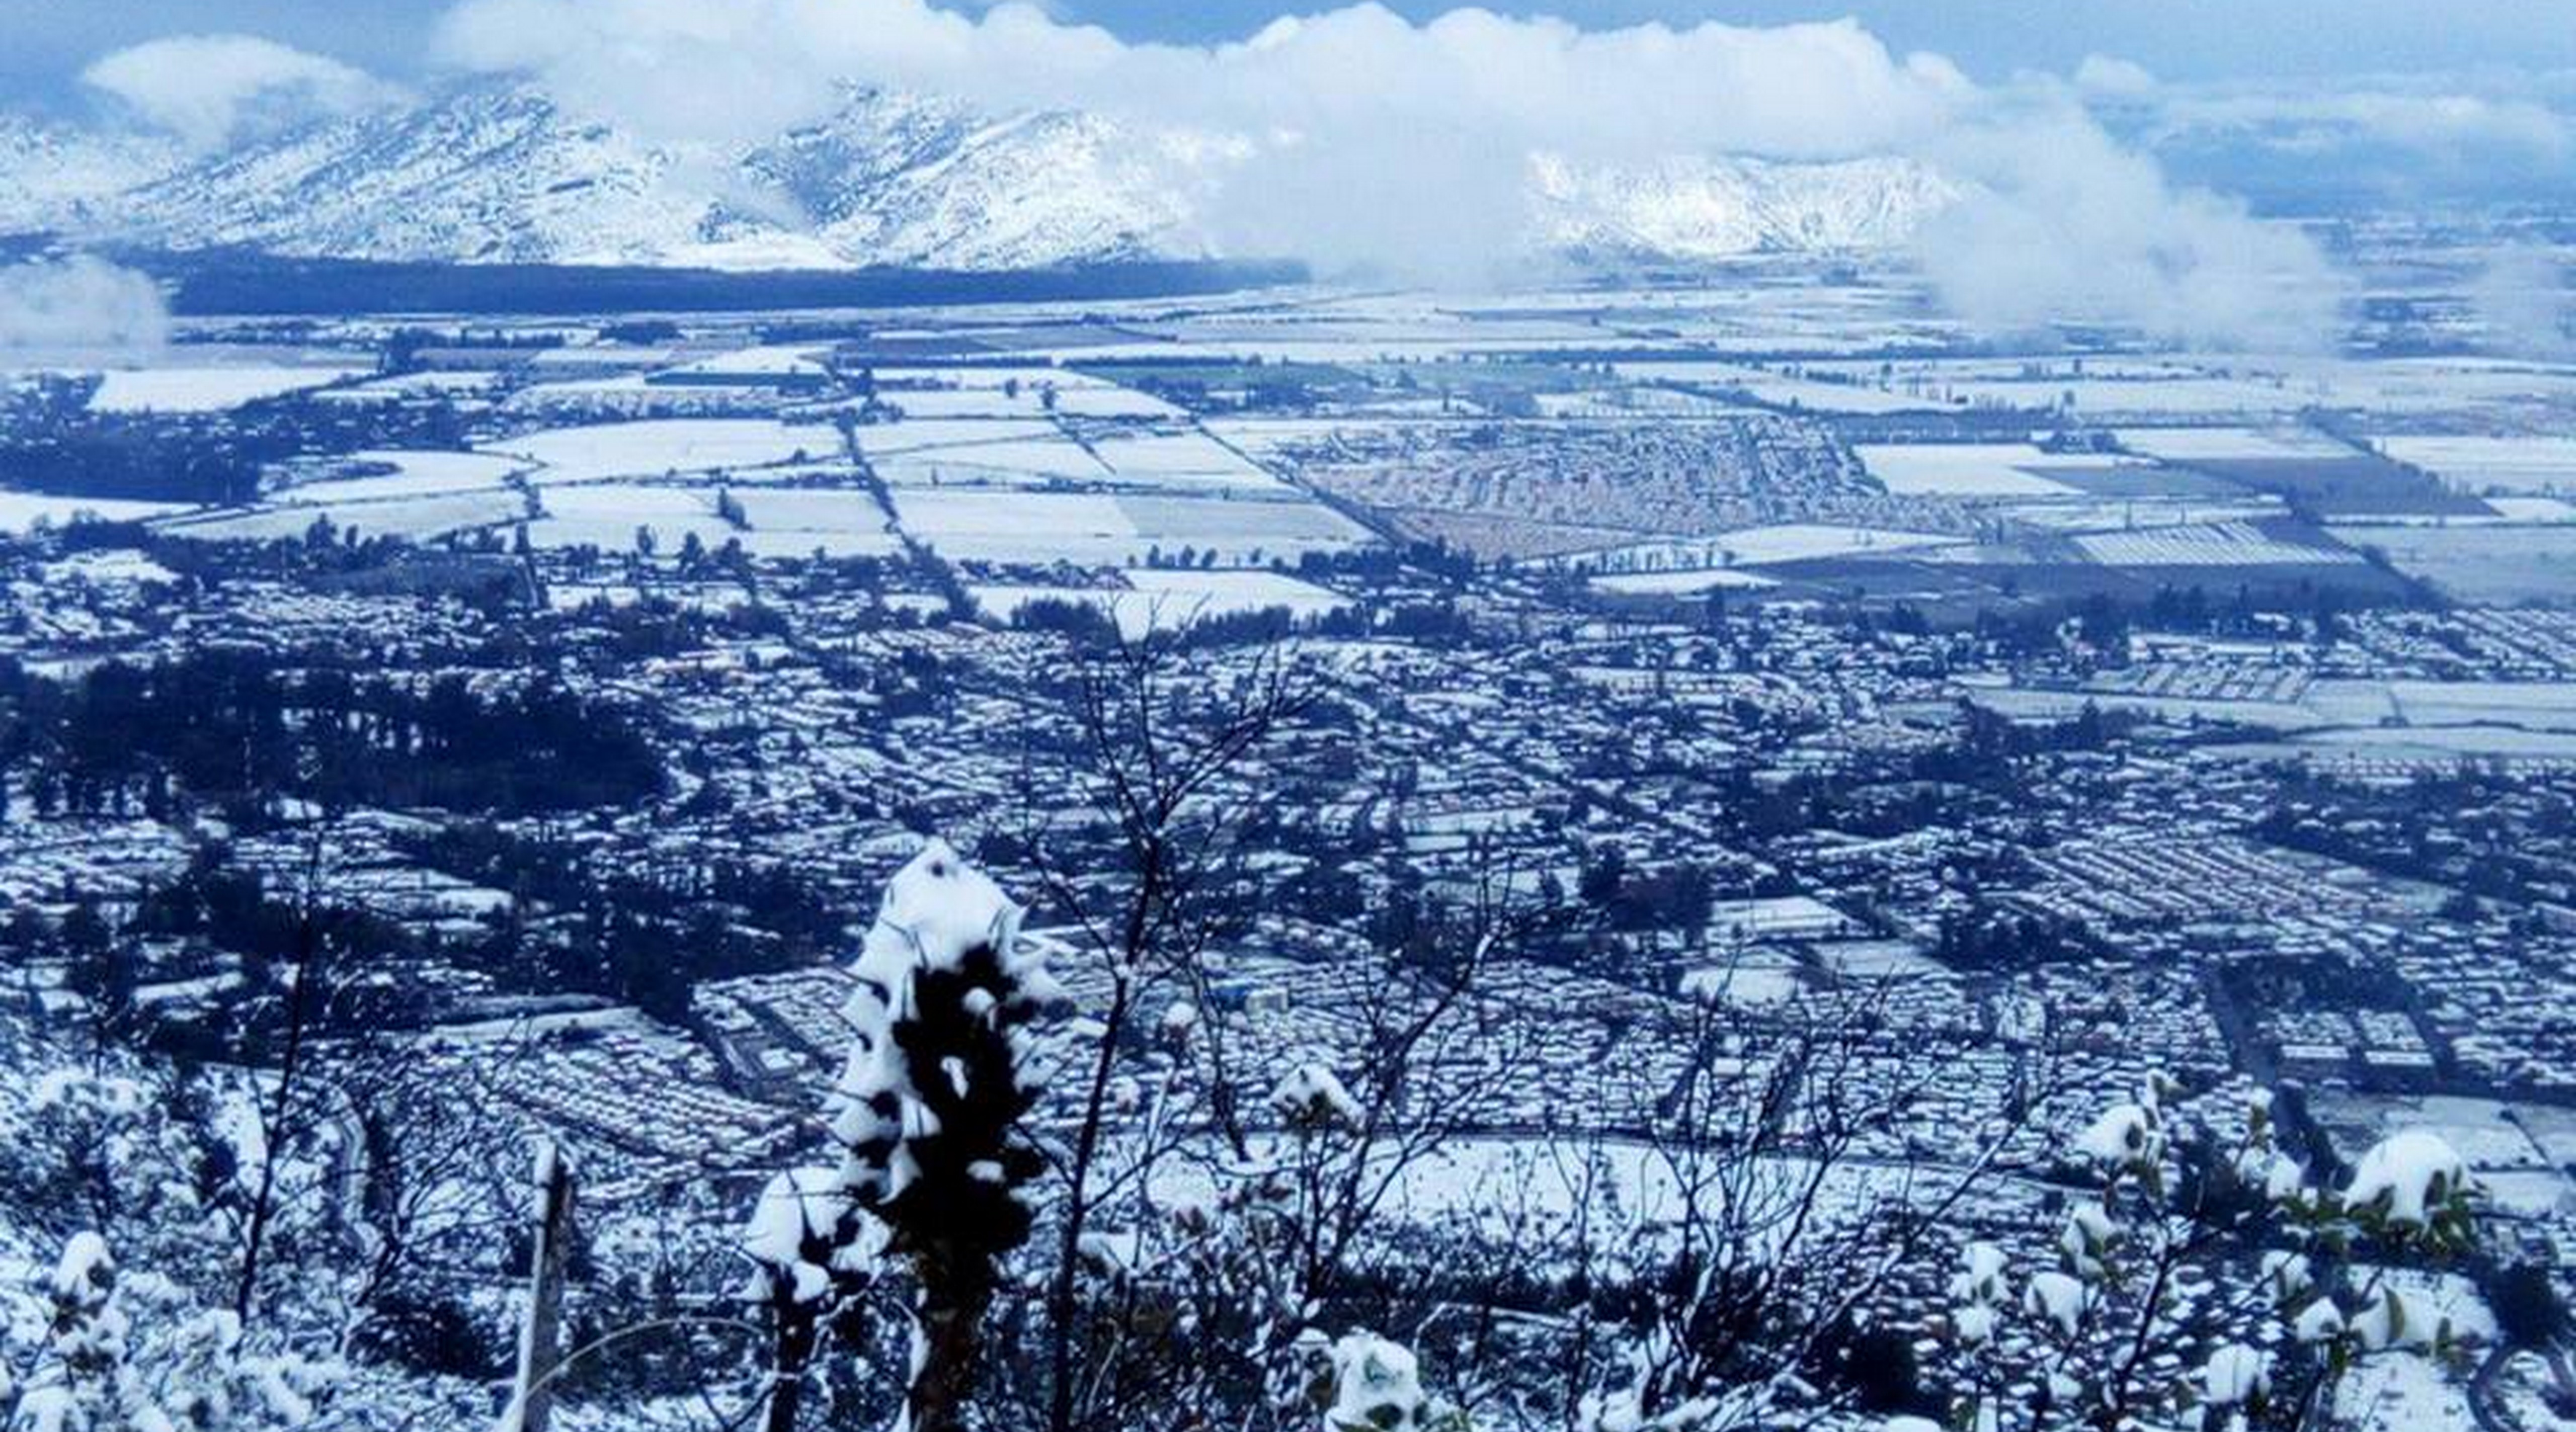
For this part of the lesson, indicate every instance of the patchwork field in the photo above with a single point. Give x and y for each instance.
(206, 389)
(654, 447)
(364, 476)
(842, 522)
(2478, 563)
(2240, 444)
(1756, 546)
(1100, 529)
(22, 510)
(419, 519)
(2217, 544)
(1013, 392)
(2473, 464)
(1970, 469)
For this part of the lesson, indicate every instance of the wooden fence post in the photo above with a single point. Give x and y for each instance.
(532, 1396)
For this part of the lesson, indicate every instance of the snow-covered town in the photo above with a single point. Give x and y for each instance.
(830, 774)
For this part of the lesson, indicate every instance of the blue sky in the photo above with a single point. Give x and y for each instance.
(50, 40)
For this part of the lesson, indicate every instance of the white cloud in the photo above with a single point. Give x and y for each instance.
(1348, 136)
(2524, 299)
(213, 89)
(1357, 136)
(2070, 226)
(2110, 77)
(80, 303)
(2438, 122)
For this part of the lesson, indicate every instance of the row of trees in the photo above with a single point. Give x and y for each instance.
(238, 729)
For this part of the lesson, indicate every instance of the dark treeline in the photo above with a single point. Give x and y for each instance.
(237, 282)
(237, 729)
(58, 446)
(641, 938)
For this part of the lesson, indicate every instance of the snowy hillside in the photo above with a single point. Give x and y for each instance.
(56, 177)
(497, 172)
(1714, 208)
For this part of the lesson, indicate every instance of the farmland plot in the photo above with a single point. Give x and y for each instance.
(22, 510)
(651, 448)
(418, 519)
(1968, 469)
(364, 476)
(2217, 544)
(843, 522)
(206, 389)
(609, 515)
(2501, 565)
(1097, 529)
(2478, 464)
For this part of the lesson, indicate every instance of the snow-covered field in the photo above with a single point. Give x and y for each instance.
(1181, 460)
(1096, 529)
(609, 516)
(1012, 393)
(1682, 583)
(1968, 469)
(2217, 544)
(2185, 445)
(2478, 563)
(1163, 600)
(1786, 390)
(1083, 528)
(108, 568)
(2525, 464)
(415, 474)
(761, 361)
(206, 389)
(2101, 514)
(652, 448)
(912, 435)
(1754, 546)
(2148, 389)
(843, 522)
(1010, 461)
(452, 383)
(418, 518)
(22, 510)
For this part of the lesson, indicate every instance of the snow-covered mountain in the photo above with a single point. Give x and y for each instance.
(500, 173)
(1719, 207)
(497, 172)
(57, 177)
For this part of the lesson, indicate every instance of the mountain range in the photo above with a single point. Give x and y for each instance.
(498, 172)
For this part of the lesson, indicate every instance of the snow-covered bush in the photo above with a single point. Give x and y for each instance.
(124, 1349)
(2171, 1207)
(1978, 1293)
(1311, 1099)
(929, 1109)
(2412, 1184)
(799, 1241)
(1365, 1383)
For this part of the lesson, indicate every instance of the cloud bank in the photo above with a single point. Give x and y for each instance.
(1357, 137)
(80, 303)
(2527, 304)
(2070, 226)
(1360, 140)
(212, 90)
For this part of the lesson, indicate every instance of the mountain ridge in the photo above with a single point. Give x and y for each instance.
(494, 172)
